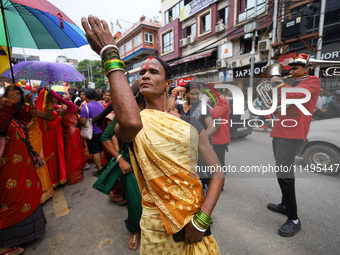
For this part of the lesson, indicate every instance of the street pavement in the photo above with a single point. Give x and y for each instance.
(82, 220)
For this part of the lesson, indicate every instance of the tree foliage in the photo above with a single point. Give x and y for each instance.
(97, 73)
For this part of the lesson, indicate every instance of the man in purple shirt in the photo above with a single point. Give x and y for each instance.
(95, 145)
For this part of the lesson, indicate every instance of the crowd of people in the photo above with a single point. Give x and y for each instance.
(146, 145)
(327, 105)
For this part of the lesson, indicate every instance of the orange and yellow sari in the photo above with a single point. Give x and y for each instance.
(166, 150)
(35, 136)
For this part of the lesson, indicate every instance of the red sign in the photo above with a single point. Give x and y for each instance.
(182, 82)
(286, 59)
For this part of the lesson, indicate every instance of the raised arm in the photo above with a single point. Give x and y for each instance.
(124, 105)
(71, 107)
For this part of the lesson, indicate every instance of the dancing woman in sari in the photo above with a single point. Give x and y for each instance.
(29, 115)
(165, 149)
(21, 216)
(53, 141)
(74, 153)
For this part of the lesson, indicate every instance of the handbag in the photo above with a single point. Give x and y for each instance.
(87, 130)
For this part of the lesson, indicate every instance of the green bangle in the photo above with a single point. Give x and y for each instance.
(112, 66)
(111, 51)
(103, 61)
(113, 61)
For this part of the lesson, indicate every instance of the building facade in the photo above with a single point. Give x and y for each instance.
(136, 44)
(205, 39)
(65, 60)
(301, 19)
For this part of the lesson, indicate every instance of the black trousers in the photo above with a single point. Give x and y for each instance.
(285, 151)
(220, 151)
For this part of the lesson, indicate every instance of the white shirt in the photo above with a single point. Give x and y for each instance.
(321, 102)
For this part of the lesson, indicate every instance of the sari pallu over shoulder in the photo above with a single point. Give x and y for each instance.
(166, 150)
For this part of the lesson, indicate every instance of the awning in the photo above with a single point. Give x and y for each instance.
(197, 56)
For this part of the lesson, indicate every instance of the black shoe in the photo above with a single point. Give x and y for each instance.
(289, 228)
(277, 208)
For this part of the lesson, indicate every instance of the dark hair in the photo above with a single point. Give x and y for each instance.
(106, 91)
(191, 85)
(22, 100)
(166, 67)
(81, 91)
(73, 95)
(73, 89)
(90, 94)
(140, 99)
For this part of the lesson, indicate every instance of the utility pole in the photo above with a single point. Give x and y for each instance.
(319, 46)
(91, 71)
(251, 82)
(275, 21)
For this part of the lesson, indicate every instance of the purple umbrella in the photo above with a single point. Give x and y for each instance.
(45, 71)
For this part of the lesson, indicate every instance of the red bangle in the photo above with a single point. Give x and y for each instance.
(13, 105)
(173, 94)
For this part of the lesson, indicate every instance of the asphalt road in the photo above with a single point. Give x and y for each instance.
(242, 223)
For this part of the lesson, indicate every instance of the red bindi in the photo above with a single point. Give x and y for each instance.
(147, 66)
(151, 57)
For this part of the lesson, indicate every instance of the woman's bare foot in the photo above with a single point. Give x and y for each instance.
(116, 198)
(11, 251)
(134, 241)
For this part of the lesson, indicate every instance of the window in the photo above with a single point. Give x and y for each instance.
(148, 37)
(121, 50)
(174, 12)
(223, 16)
(190, 30)
(226, 15)
(205, 23)
(137, 40)
(247, 9)
(168, 40)
(128, 46)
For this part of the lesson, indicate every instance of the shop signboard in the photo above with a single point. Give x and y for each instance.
(286, 59)
(244, 72)
(183, 81)
(194, 7)
(227, 50)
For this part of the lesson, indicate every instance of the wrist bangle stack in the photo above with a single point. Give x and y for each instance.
(201, 221)
(115, 64)
(173, 95)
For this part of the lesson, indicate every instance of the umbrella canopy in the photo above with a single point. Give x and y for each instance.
(38, 24)
(45, 71)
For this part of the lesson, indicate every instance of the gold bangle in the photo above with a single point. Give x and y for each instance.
(50, 106)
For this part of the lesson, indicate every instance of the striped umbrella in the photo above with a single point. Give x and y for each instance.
(38, 24)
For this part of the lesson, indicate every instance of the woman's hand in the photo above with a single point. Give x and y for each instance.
(124, 166)
(191, 234)
(179, 89)
(97, 32)
(13, 96)
(62, 111)
(41, 164)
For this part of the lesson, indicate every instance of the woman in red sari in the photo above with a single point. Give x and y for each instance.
(21, 216)
(29, 115)
(53, 141)
(74, 153)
